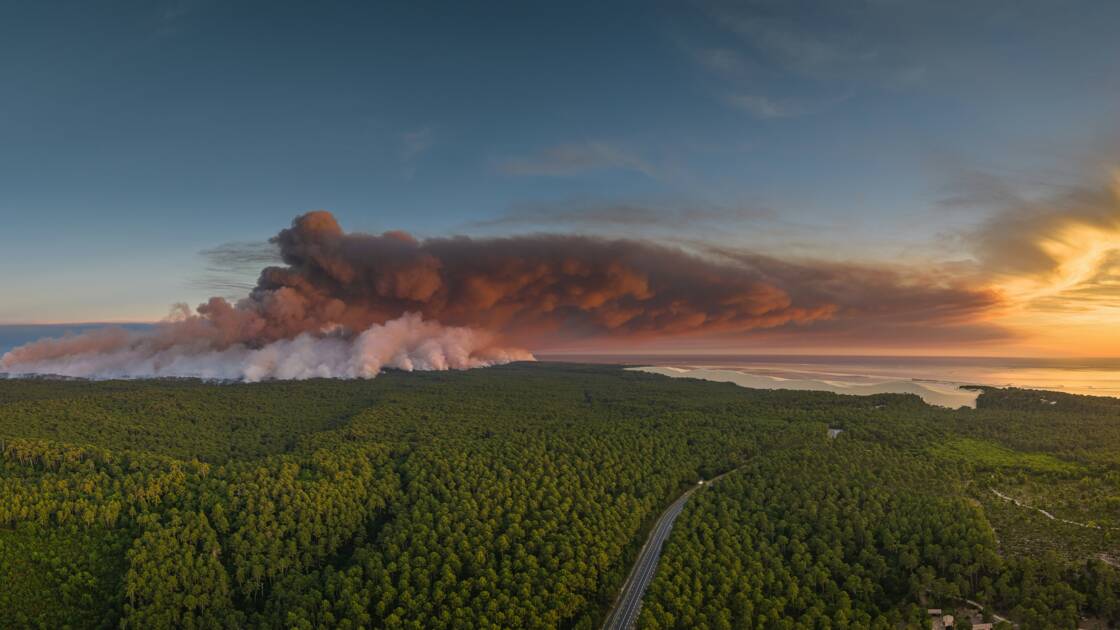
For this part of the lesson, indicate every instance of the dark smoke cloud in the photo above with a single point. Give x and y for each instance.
(522, 287)
(455, 302)
(875, 295)
(876, 306)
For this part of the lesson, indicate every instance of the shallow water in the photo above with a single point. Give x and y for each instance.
(939, 375)
(1099, 377)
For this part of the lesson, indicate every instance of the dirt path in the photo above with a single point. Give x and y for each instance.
(1045, 513)
(981, 607)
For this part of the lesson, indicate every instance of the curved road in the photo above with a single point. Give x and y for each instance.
(629, 602)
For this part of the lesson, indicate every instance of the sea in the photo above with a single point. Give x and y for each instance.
(938, 376)
(847, 374)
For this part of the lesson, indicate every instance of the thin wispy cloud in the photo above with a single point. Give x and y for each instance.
(571, 159)
(988, 187)
(172, 10)
(762, 106)
(413, 145)
(171, 17)
(743, 85)
(233, 268)
(622, 215)
(724, 61)
(788, 44)
(766, 108)
(779, 62)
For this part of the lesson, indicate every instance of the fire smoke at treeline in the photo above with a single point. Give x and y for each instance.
(348, 304)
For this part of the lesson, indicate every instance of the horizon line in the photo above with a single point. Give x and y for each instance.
(560, 355)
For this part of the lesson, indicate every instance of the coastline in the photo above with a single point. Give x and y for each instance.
(938, 393)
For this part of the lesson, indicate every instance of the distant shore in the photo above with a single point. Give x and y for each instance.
(1088, 376)
(940, 394)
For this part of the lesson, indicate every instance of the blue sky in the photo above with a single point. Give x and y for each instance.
(133, 135)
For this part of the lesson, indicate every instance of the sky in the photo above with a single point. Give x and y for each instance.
(881, 147)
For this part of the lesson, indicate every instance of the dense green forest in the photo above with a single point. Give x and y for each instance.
(518, 496)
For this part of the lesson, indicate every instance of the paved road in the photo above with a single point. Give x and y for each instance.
(629, 602)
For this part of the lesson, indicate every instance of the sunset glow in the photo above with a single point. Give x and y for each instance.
(659, 315)
(718, 181)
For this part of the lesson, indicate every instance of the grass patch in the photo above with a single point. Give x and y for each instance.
(983, 454)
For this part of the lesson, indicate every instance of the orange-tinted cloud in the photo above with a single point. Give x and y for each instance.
(552, 288)
(321, 312)
(523, 287)
(1057, 259)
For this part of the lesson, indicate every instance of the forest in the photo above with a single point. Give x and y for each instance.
(518, 497)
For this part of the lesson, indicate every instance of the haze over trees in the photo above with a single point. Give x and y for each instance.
(517, 496)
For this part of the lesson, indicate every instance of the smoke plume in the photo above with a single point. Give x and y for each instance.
(520, 287)
(346, 304)
(406, 343)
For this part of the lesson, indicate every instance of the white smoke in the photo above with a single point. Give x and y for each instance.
(406, 343)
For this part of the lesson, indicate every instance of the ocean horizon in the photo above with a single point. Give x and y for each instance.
(1092, 376)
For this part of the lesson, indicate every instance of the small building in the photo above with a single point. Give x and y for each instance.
(981, 626)
(939, 621)
(834, 432)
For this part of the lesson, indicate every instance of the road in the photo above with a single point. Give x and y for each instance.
(629, 602)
